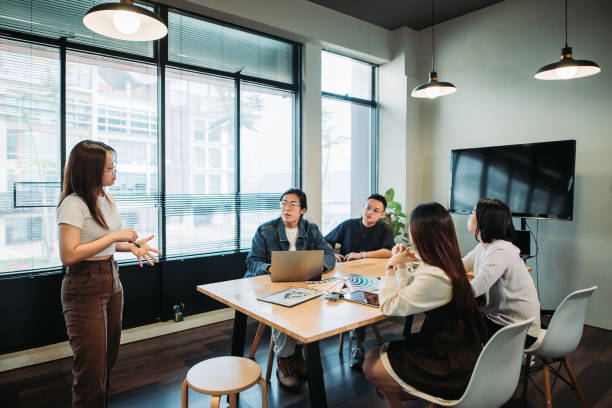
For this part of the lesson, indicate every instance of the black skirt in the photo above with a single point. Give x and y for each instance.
(438, 360)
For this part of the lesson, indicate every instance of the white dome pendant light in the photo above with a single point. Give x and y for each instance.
(125, 21)
(567, 68)
(432, 88)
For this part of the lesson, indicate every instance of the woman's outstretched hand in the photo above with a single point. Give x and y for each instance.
(145, 251)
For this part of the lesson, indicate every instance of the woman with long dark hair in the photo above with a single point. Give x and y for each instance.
(446, 333)
(500, 275)
(92, 297)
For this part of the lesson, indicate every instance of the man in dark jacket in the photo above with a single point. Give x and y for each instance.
(360, 238)
(290, 232)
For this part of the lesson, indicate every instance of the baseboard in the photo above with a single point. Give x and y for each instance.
(56, 351)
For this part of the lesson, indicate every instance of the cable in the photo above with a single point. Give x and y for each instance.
(535, 240)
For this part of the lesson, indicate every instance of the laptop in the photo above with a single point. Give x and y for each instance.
(296, 266)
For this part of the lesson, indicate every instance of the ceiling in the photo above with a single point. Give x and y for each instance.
(416, 14)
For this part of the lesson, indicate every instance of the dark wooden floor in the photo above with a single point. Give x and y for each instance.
(149, 374)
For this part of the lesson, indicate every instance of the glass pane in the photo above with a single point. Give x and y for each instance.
(200, 176)
(266, 155)
(64, 18)
(29, 156)
(345, 162)
(207, 44)
(115, 102)
(345, 76)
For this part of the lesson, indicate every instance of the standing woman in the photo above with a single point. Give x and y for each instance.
(92, 297)
(439, 353)
(499, 272)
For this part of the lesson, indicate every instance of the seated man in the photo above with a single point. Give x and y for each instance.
(359, 238)
(290, 232)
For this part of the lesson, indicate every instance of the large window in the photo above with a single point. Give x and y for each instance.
(348, 136)
(229, 140)
(30, 160)
(115, 102)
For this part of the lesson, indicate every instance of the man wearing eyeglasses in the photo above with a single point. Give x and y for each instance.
(290, 232)
(361, 238)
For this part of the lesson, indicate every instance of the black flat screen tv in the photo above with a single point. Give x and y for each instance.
(535, 180)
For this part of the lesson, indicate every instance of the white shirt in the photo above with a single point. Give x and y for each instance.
(409, 293)
(74, 211)
(501, 275)
(292, 234)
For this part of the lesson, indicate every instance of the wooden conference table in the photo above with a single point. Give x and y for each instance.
(307, 322)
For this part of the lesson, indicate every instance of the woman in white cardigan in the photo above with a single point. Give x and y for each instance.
(500, 275)
(438, 354)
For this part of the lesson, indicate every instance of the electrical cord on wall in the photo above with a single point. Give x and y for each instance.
(535, 240)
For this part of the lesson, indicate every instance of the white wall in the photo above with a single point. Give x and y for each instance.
(491, 56)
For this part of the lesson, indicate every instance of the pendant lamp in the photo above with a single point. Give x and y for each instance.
(125, 21)
(567, 68)
(432, 88)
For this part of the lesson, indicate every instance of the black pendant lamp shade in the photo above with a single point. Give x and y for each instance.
(567, 67)
(125, 21)
(432, 88)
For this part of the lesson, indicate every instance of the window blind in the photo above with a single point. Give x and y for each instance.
(63, 18)
(207, 44)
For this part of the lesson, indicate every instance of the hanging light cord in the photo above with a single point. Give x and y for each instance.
(565, 23)
(432, 35)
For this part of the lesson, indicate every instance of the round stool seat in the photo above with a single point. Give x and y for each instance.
(223, 375)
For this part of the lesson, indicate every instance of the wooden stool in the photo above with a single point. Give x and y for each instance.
(224, 376)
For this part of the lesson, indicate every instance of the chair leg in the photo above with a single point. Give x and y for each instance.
(264, 392)
(526, 379)
(215, 401)
(270, 359)
(341, 343)
(185, 393)
(377, 334)
(547, 385)
(575, 382)
(256, 340)
(232, 400)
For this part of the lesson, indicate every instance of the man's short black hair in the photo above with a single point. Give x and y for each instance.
(380, 198)
(299, 193)
(493, 221)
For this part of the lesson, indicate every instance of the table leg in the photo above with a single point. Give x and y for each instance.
(316, 386)
(238, 334)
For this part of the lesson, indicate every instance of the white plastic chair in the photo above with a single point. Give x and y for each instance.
(561, 338)
(496, 373)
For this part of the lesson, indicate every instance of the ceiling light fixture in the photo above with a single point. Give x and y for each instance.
(567, 68)
(432, 88)
(125, 21)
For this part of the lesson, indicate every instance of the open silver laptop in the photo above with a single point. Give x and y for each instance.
(296, 266)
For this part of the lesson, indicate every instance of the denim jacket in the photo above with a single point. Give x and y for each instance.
(271, 236)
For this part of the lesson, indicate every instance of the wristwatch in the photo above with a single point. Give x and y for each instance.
(363, 254)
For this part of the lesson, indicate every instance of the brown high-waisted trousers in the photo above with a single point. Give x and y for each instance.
(92, 299)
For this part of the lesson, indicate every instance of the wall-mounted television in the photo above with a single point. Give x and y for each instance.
(536, 180)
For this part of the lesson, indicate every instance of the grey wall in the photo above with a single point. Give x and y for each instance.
(491, 56)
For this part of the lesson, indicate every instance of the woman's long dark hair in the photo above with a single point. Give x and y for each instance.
(493, 221)
(433, 234)
(84, 173)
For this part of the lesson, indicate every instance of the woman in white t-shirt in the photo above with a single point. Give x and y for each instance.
(499, 272)
(92, 297)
